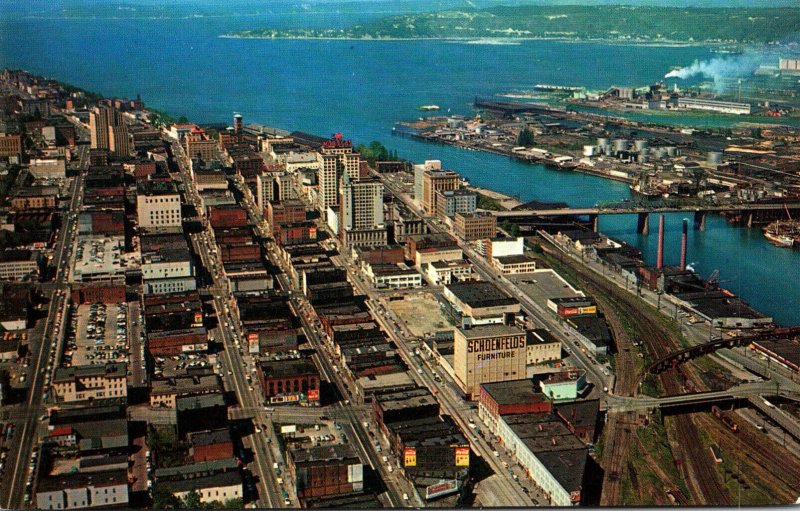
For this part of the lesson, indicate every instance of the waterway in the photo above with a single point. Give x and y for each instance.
(360, 88)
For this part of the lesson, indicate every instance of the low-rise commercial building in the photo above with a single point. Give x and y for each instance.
(325, 470)
(444, 273)
(80, 491)
(510, 397)
(514, 264)
(474, 226)
(542, 347)
(18, 264)
(552, 456)
(84, 383)
(289, 381)
(479, 303)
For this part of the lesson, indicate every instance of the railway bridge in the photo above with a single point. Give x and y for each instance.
(679, 357)
(741, 391)
(747, 213)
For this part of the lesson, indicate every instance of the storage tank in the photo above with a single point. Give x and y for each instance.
(672, 151)
(659, 153)
(608, 149)
(602, 142)
(714, 157)
(640, 145)
(589, 150)
(644, 158)
(620, 144)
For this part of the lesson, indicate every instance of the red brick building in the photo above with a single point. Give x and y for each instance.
(291, 211)
(510, 397)
(296, 233)
(227, 216)
(325, 470)
(210, 445)
(176, 342)
(251, 252)
(142, 170)
(103, 293)
(284, 381)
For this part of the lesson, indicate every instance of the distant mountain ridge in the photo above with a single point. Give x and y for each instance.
(756, 25)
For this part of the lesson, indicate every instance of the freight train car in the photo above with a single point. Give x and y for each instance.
(725, 420)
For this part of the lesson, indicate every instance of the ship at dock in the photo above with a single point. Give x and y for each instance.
(643, 187)
(783, 233)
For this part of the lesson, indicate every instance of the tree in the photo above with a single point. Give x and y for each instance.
(233, 504)
(163, 498)
(525, 137)
(192, 501)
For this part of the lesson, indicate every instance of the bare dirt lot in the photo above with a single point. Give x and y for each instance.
(421, 313)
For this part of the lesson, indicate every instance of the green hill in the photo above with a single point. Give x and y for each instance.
(573, 22)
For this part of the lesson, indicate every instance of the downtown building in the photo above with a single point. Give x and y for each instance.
(109, 131)
(361, 214)
(158, 205)
(337, 158)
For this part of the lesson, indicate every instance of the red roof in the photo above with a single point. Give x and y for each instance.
(61, 431)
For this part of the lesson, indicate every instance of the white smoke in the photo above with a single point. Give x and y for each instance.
(721, 68)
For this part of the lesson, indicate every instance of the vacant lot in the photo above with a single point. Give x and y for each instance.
(421, 313)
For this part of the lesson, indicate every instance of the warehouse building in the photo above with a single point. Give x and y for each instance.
(325, 470)
(488, 353)
(478, 303)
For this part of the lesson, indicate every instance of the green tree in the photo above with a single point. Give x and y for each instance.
(163, 498)
(192, 501)
(525, 137)
(233, 504)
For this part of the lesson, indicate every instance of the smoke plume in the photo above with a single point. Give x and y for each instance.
(722, 68)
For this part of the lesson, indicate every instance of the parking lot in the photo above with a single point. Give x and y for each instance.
(542, 286)
(98, 334)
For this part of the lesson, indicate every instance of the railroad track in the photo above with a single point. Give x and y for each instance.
(697, 468)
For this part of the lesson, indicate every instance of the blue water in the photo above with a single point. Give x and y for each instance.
(180, 65)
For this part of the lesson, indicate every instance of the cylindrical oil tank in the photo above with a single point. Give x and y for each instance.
(714, 157)
(589, 150)
(672, 151)
(640, 145)
(608, 149)
(620, 144)
(602, 142)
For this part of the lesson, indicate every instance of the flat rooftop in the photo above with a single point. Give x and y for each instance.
(514, 392)
(325, 453)
(497, 330)
(480, 294)
(539, 336)
(98, 256)
(287, 368)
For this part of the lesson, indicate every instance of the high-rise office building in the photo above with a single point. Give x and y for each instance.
(109, 131)
(437, 181)
(337, 158)
(361, 213)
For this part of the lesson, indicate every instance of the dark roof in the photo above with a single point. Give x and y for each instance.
(212, 481)
(580, 413)
(324, 453)
(287, 368)
(217, 436)
(480, 294)
(199, 402)
(514, 392)
(539, 336)
(82, 480)
(578, 235)
(593, 328)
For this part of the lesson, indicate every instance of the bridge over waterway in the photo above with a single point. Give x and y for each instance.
(746, 211)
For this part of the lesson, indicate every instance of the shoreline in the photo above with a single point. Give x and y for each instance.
(492, 40)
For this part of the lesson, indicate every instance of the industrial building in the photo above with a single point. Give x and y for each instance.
(325, 470)
(726, 107)
(488, 353)
(478, 303)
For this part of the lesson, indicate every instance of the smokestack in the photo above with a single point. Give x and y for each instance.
(660, 258)
(684, 236)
